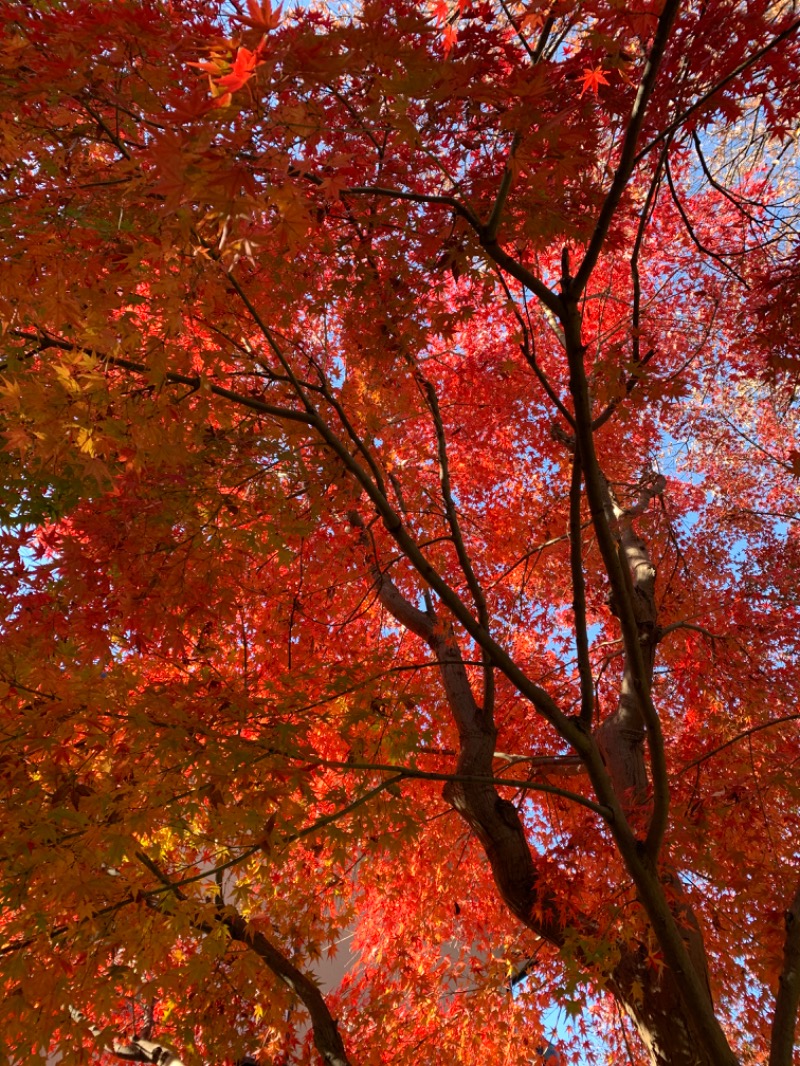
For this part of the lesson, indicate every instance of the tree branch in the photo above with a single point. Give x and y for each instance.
(327, 1038)
(704, 249)
(194, 382)
(522, 38)
(471, 790)
(630, 385)
(417, 198)
(739, 736)
(674, 626)
(616, 564)
(706, 96)
(528, 347)
(627, 159)
(326, 1033)
(136, 1050)
(487, 240)
(493, 223)
(413, 773)
(650, 200)
(479, 599)
(579, 594)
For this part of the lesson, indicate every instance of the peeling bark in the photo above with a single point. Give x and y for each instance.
(621, 736)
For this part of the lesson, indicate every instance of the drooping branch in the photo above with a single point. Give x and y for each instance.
(327, 1038)
(418, 198)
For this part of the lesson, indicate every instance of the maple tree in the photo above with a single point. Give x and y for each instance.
(399, 530)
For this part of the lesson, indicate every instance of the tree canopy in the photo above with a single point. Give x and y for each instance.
(399, 531)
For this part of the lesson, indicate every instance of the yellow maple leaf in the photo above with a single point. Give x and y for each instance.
(85, 440)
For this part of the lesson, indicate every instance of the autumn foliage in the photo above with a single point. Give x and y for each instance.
(399, 531)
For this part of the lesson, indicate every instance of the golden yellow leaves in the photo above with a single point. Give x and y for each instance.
(51, 407)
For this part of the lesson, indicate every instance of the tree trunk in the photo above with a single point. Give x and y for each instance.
(643, 985)
(653, 1001)
(649, 991)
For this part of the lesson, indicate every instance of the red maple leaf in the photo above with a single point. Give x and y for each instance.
(449, 37)
(593, 79)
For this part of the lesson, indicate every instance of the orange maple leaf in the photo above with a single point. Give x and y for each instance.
(593, 79)
(244, 66)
